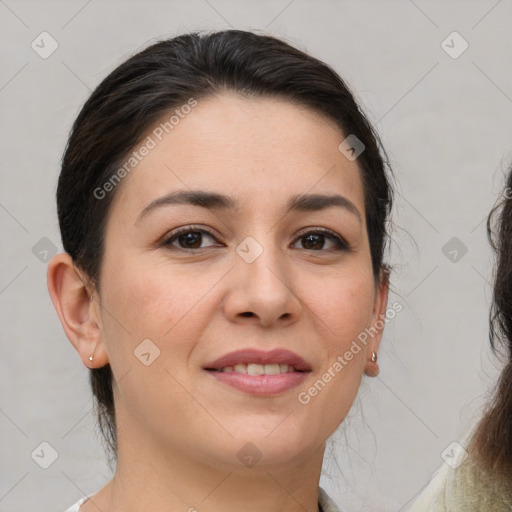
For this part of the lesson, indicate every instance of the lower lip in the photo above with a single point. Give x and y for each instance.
(260, 384)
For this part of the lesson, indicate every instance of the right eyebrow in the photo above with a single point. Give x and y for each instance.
(203, 198)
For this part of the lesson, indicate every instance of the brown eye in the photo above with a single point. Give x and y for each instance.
(315, 241)
(188, 238)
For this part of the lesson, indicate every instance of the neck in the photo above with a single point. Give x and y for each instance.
(148, 477)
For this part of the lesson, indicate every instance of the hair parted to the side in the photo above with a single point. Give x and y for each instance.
(492, 442)
(136, 95)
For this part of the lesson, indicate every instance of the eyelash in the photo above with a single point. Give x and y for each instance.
(340, 243)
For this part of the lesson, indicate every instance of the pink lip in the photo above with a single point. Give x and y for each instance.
(261, 385)
(254, 356)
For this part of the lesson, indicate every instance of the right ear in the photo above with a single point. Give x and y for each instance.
(78, 308)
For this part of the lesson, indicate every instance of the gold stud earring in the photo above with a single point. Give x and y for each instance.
(374, 357)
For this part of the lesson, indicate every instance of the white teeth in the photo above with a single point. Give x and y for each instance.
(260, 369)
(255, 369)
(272, 369)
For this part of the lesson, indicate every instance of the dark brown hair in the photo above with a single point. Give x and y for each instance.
(492, 442)
(164, 76)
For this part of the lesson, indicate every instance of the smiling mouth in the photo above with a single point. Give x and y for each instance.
(263, 380)
(257, 369)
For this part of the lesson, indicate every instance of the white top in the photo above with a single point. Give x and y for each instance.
(323, 499)
(76, 506)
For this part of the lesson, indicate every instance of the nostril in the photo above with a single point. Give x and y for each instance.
(247, 313)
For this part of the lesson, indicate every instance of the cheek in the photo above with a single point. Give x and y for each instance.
(344, 307)
(343, 310)
(144, 304)
(148, 302)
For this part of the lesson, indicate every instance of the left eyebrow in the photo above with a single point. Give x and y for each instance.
(216, 201)
(315, 202)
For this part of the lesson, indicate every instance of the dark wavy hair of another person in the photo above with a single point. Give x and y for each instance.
(492, 442)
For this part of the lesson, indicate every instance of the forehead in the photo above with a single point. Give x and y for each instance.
(259, 150)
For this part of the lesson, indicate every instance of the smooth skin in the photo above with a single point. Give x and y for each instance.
(179, 429)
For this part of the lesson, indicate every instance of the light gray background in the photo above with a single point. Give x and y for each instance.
(447, 124)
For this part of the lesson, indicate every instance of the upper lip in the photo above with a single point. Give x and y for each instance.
(255, 356)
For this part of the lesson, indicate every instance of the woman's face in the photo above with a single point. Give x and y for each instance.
(247, 276)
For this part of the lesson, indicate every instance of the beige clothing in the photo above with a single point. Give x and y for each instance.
(466, 488)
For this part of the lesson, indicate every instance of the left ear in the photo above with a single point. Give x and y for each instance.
(377, 324)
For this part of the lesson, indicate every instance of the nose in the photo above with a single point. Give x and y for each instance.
(262, 291)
